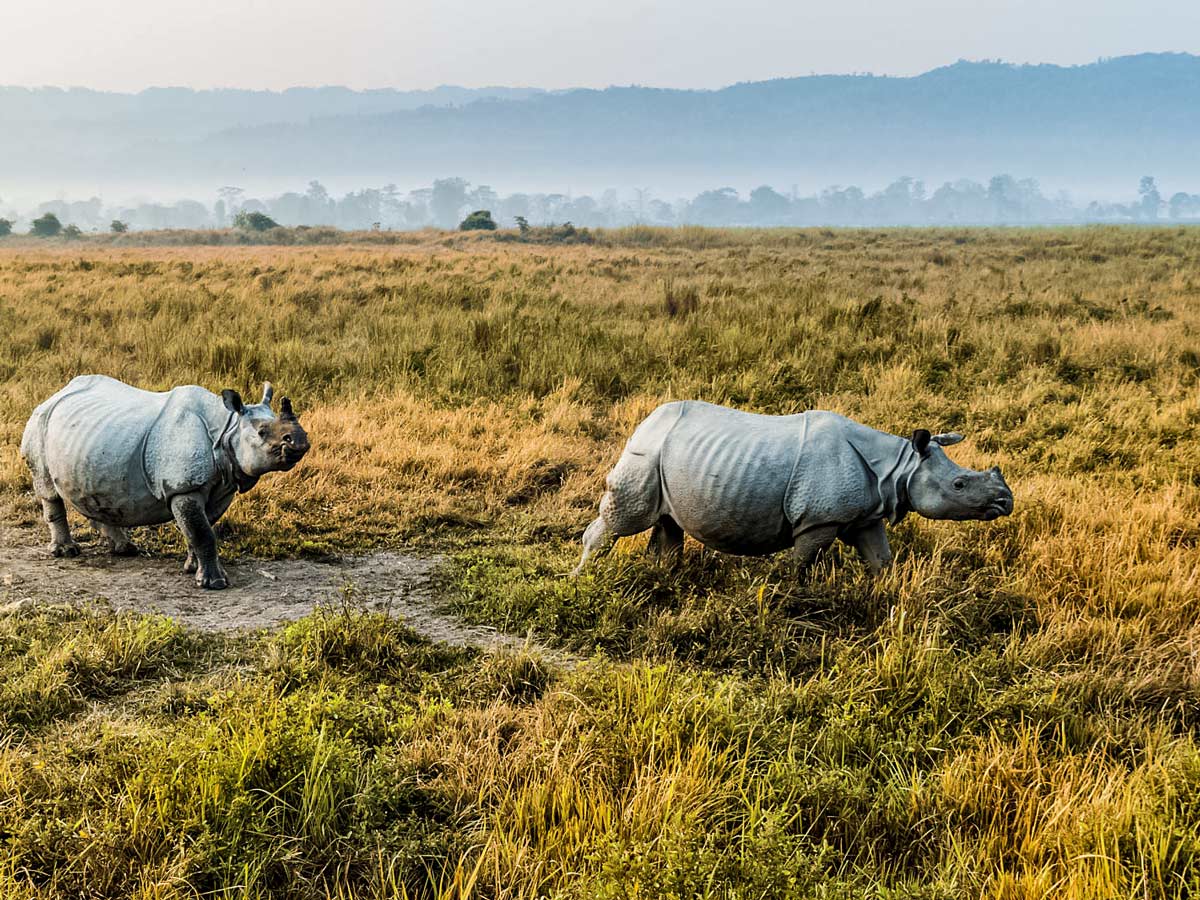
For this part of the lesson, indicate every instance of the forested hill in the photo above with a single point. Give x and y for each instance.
(51, 133)
(176, 112)
(1080, 126)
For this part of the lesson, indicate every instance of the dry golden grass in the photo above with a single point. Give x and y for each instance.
(1009, 711)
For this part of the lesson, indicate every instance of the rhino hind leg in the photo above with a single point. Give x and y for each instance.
(119, 542)
(188, 510)
(55, 513)
(666, 541)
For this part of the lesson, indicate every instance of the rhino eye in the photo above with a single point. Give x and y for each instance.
(959, 484)
(262, 433)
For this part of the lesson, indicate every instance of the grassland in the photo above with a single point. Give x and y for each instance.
(1010, 711)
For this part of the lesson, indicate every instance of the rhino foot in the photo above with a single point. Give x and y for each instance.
(67, 549)
(212, 579)
(119, 543)
(189, 564)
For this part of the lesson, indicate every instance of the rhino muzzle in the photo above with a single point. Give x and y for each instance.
(291, 452)
(1002, 503)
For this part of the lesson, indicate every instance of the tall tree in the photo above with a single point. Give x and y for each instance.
(1151, 200)
(449, 197)
(231, 196)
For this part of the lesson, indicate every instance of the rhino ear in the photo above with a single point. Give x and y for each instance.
(947, 438)
(285, 409)
(232, 401)
(268, 393)
(920, 441)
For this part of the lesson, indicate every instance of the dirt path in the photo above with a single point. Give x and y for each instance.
(262, 593)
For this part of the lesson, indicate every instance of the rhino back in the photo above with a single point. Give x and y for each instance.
(725, 476)
(118, 453)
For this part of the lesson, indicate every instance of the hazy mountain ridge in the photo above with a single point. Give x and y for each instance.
(1106, 121)
(64, 131)
(229, 106)
(1079, 126)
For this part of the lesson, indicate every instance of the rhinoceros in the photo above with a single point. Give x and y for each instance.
(125, 457)
(754, 484)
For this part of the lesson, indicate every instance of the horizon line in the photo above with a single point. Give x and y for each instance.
(997, 62)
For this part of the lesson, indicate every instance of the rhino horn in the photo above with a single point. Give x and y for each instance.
(947, 438)
(233, 401)
(285, 409)
(268, 393)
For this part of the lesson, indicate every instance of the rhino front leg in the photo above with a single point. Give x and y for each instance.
(666, 541)
(807, 544)
(188, 510)
(872, 545)
(55, 513)
(189, 564)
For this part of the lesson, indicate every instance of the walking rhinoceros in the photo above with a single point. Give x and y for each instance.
(753, 484)
(125, 457)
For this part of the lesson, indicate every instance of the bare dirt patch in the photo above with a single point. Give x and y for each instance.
(262, 593)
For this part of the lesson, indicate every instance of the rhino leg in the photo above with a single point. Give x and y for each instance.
(666, 541)
(55, 513)
(188, 510)
(189, 564)
(807, 544)
(118, 540)
(872, 545)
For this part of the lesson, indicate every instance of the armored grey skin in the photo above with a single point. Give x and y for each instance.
(753, 484)
(126, 457)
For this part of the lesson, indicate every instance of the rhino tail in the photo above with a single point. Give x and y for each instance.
(33, 451)
(29, 438)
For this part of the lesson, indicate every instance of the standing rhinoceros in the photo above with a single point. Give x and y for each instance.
(754, 484)
(125, 457)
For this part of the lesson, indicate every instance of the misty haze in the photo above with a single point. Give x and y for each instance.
(970, 143)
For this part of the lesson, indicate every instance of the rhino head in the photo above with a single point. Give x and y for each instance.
(262, 441)
(941, 489)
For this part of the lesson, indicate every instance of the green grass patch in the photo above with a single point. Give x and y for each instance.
(343, 756)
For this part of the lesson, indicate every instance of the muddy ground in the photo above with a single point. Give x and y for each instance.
(261, 594)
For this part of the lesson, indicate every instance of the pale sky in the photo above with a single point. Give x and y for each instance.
(132, 44)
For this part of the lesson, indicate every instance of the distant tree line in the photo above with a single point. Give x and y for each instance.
(1004, 200)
